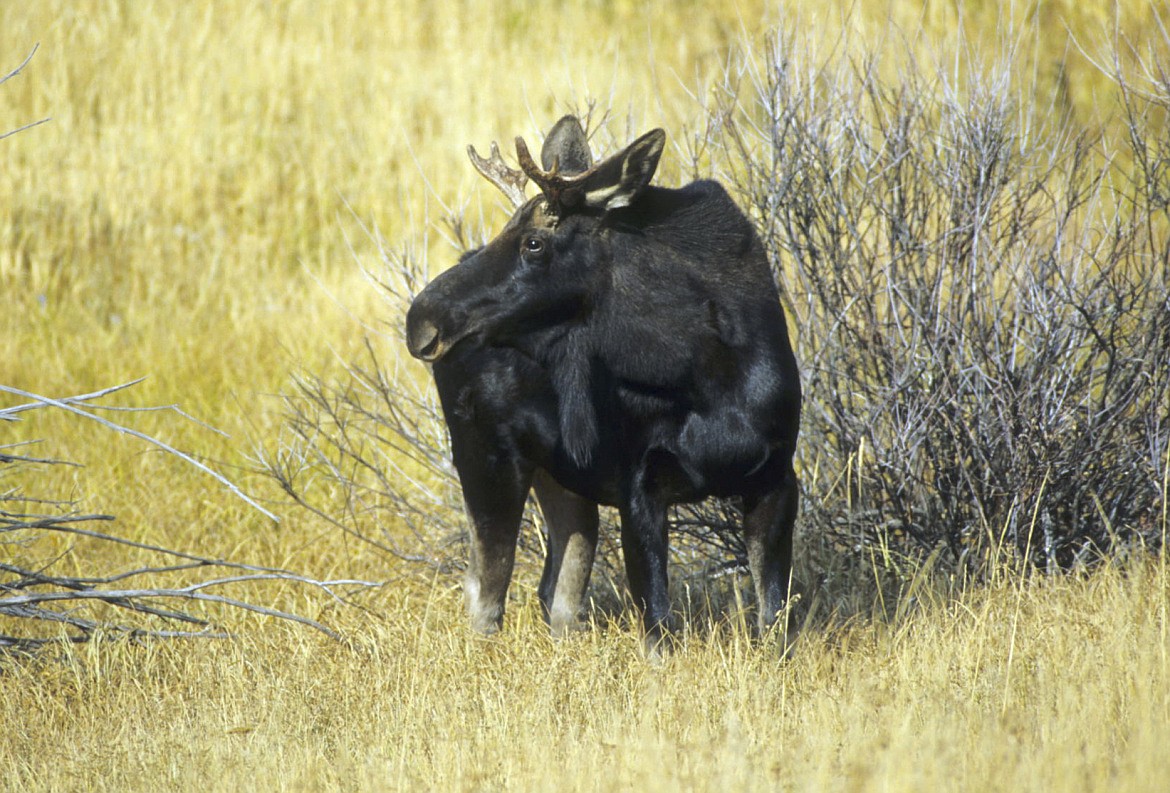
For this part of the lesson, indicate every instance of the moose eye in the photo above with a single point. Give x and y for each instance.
(532, 246)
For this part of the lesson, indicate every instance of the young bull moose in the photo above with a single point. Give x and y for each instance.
(618, 343)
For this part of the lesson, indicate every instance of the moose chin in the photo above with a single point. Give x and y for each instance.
(617, 343)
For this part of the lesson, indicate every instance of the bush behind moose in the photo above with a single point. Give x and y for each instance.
(984, 312)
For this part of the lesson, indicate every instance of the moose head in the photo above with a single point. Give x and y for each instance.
(532, 273)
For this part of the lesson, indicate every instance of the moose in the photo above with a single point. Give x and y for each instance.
(618, 343)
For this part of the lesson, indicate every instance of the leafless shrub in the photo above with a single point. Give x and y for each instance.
(980, 299)
(367, 453)
(34, 592)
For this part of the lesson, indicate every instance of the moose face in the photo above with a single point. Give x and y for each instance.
(530, 276)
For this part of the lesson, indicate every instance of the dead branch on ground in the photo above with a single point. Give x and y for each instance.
(158, 592)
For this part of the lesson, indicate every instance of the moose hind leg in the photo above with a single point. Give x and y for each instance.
(644, 547)
(572, 523)
(768, 526)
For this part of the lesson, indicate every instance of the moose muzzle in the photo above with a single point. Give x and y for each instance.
(422, 338)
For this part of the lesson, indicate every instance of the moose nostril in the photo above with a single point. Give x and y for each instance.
(423, 339)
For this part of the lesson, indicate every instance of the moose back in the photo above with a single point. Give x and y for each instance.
(617, 343)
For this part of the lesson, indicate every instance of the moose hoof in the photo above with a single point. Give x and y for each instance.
(561, 626)
(486, 627)
(781, 634)
(485, 621)
(656, 649)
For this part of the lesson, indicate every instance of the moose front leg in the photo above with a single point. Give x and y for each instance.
(495, 484)
(489, 571)
(768, 525)
(572, 523)
(496, 505)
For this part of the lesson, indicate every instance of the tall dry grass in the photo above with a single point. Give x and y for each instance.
(1052, 685)
(191, 213)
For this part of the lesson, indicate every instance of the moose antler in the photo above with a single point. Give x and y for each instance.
(556, 188)
(510, 182)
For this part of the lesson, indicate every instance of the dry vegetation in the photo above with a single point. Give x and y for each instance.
(196, 211)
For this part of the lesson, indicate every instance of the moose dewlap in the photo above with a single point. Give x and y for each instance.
(618, 343)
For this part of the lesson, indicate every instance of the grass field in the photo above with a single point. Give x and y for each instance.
(193, 213)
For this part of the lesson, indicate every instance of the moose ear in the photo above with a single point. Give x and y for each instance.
(618, 180)
(566, 149)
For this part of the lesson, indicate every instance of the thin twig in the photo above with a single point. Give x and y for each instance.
(186, 593)
(8, 77)
(67, 406)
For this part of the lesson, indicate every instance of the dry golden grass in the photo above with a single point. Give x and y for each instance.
(1056, 685)
(185, 216)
